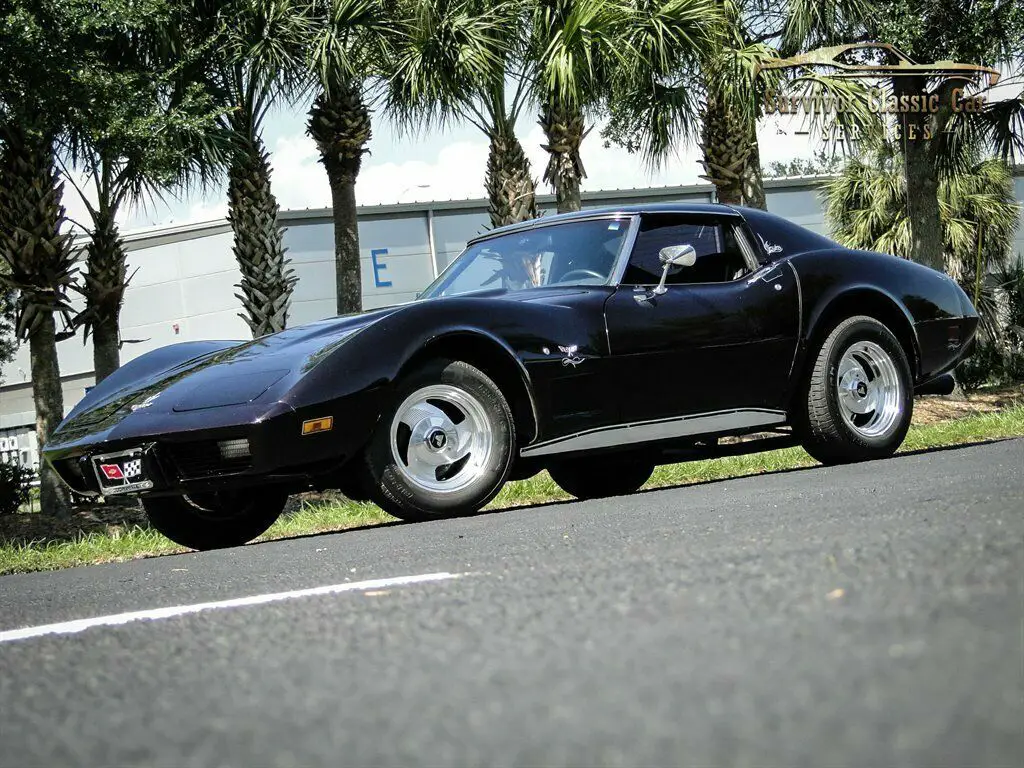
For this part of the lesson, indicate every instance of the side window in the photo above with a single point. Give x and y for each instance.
(719, 255)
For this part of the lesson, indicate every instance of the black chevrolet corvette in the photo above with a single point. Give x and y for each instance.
(594, 345)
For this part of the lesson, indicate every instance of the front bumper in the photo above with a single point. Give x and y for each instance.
(268, 448)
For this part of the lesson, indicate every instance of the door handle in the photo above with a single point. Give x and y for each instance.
(644, 296)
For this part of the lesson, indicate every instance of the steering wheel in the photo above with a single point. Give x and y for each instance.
(581, 273)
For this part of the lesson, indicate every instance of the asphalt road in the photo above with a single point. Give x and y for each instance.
(860, 615)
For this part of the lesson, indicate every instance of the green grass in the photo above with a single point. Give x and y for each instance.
(143, 542)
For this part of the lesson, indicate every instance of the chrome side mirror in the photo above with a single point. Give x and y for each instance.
(684, 255)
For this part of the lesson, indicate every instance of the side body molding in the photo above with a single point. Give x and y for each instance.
(660, 429)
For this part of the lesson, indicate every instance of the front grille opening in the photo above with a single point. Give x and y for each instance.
(71, 472)
(210, 458)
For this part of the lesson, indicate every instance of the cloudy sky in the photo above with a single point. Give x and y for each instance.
(439, 165)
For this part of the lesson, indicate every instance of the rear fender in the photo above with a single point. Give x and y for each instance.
(868, 300)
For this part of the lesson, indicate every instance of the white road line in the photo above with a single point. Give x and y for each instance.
(80, 625)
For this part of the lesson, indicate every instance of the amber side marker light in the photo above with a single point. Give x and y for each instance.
(312, 426)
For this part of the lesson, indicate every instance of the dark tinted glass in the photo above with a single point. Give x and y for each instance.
(719, 257)
(570, 253)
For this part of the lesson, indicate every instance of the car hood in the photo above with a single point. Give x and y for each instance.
(232, 374)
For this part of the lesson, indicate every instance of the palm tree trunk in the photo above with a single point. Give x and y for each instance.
(339, 123)
(922, 176)
(726, 143)
(104, 292)
(40, 266)
(347, 272)
(106, 351)
(48, 398)
(511, 189)
(564, 128)
(267, 281)
(926, 246)
(753, 181)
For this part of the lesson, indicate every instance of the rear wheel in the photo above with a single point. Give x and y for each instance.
(445, 446)
(858, 399)
(595, 478)
(215, 520)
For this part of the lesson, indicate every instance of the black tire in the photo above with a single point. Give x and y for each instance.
(826, 427)
(595, 478)
(215, 520)
(401, 489)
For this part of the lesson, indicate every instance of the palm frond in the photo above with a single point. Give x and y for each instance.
(577, 45)
(350, 40)
(450, 56)
(815, 23)
(1003, 127)
(651, 91)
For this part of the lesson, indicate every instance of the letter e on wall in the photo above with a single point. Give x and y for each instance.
(378, 267)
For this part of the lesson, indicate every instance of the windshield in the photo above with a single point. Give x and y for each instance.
(573, 253)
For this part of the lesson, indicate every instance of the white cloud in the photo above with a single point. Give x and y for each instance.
(207, 209)
(298, 179)
(615, 168)
(74, 206)
(456, 172)
(778, 139)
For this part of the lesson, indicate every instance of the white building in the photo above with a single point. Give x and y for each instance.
(183, 288)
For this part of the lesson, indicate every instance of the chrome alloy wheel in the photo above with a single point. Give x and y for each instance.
(441, 438)
(869, 389)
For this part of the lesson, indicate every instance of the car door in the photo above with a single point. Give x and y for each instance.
(720, 339)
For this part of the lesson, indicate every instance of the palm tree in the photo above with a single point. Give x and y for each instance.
(733, 97)
(586, 50)
(40, 266)
(119, 179)
(725, 91)
(452, 63)
(989, 33)
(107, 278)
(140, 138)
(508, 179)
(256, 64)
(49, 75)
(866, 207)
(348, 45)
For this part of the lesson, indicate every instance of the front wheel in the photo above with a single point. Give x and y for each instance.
(215, 520)
(445, 445)
(858, 399)
(595, 478)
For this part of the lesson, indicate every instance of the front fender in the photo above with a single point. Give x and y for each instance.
(511, 338)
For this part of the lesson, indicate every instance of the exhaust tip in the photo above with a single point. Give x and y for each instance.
(940, 385)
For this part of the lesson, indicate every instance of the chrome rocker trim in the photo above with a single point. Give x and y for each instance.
(659, 429)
